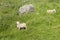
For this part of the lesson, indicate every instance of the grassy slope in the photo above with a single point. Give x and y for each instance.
(41, 25)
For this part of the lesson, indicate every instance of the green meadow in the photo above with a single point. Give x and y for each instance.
(40, 24)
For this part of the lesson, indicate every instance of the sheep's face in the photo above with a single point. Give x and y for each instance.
(17, 22)
(54, 10)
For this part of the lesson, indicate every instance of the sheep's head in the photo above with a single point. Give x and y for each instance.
(17, 22)
(54, 10)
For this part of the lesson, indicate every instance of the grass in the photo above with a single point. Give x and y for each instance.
(41, 25)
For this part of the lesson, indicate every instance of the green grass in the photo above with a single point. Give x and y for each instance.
(40, 24)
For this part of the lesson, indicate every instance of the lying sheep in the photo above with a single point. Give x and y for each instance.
(26, 9)
(51, 11)
(21, 25)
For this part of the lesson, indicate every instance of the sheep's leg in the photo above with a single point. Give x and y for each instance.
(25, 28)
(19, 28)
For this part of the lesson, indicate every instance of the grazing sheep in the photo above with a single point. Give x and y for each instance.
(21, 25)
(26, 9)
(51, 11)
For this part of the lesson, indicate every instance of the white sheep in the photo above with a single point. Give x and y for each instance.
(26, 9)
(51, 11)
(21, 25)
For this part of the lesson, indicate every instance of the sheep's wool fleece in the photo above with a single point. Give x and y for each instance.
(51, 11)
(26, 8)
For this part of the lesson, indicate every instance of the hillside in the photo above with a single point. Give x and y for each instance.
(40, 24)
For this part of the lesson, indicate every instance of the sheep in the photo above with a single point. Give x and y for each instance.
(21, 25)
(26, 9)
(51, 11)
